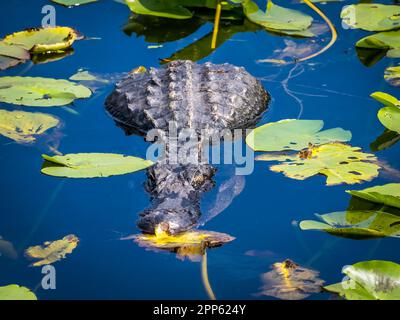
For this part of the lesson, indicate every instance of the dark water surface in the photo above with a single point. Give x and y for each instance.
(35, 208)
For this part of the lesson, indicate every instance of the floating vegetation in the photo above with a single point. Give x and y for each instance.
(388, 194)
(388, 41)
(25, 127)
(290, 281)
(279, 19)
(293, 134)
(392, 76)
(177, 9)
(84, 75)
(11, 55)
(190, 244)
(371, 16)
(16, 292)
(73, 3)
(43, 39)
(92, 165)
(40, 92)
(53, 251)
(340, 163)
(356, 224)
(389, 116)
(39, 44)
(369, 280)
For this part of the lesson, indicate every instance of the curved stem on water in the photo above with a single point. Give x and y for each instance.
(331, 27)
(204, 276)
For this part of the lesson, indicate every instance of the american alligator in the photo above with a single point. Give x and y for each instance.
(202, 97)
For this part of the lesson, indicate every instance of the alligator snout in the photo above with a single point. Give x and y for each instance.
(176, 221)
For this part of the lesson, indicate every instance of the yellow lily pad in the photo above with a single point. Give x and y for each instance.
(52, 252)
(289, 281)
(340, 163)
(23, 126)
(44, 39)
(189, 244)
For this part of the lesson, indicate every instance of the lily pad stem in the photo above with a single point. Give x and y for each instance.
(216, 25)
(204, 276)
(331, 27)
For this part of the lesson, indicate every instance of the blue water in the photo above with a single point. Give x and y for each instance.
(35, 208)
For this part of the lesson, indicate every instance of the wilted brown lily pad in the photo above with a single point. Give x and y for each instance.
(52, 252)
(190, 244)
(289, 281)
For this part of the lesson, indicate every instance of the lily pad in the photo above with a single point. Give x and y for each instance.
(73, 3)
(290, 281)
(7, 62)
(83, 75)
(356, 224)
(15, 292)
(293, 135)
(40, 92)
(174, 9)
(190, 243)
(371, 16)
(13, 51)
(52, 252)
(340, 163)
(92, 165)
(369, 280)
(167, 9)
(392, 76)
(279, 19)
(44, 39)
(23, 126)
(389, 116)
(388, 194)
(389, 41)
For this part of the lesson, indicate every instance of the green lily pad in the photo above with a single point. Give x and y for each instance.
(166, 9)
(40, 92)
(92, 165)
(356, 224)
(340, 163)
(389, 116)
(278, 19)
(392, 76)
(16, 292)
(389, 41)
(293, 135)
(388, 194)
(371, 16)
(386, 99)
(24, 127)
(83, 75)
(369, 280)
(73, 3)
(13, 51)
(44, 39)
(174, 9)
